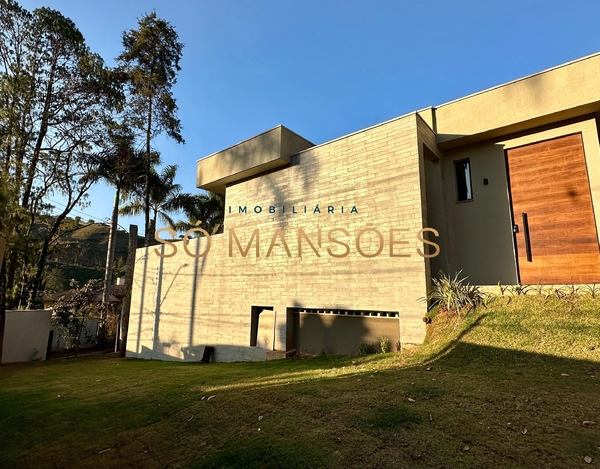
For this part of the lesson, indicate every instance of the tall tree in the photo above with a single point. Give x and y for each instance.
(150, 59)
(54, 95)
(123, 167)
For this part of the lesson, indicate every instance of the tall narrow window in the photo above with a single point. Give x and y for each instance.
(463, 180)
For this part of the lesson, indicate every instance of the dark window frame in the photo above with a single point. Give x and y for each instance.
(464, 181)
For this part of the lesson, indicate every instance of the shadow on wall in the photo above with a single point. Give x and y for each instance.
(303, 176)
(337, 334)
(144, 260)
(222, 353)
(159, 347)
(199, 265)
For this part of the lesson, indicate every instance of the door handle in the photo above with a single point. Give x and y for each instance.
(526, 235)
(515, 228)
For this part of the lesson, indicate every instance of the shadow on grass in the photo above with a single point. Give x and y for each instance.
(157, 409)
(264, 452)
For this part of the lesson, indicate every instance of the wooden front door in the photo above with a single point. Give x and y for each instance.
(555, 237)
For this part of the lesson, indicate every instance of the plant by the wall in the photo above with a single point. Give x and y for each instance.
(539, 288)
(385, 344)
(454, 294)
(591, 290)
(367, 349)
(517, 290)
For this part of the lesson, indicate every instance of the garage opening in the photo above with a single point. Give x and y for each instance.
(340, 331)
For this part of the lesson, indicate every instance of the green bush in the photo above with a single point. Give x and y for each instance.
(367, 349)
(385, 344)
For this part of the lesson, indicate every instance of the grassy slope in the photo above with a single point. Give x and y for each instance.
(492, 383)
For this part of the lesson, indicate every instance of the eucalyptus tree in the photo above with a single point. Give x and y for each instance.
(150, 60)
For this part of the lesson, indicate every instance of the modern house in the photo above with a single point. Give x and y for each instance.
(324, 245)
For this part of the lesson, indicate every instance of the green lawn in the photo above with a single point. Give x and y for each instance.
(510, 386)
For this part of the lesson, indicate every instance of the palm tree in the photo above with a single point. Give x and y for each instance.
(209, 208)
(121, 166)
(165, 198)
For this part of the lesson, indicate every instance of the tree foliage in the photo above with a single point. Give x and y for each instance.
(208, 208)
(59, 108)
(73, 311)
(150, 61)
(55, 95)
(166, 198)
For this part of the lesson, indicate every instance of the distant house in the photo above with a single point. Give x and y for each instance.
(324, 248)
(116, 295)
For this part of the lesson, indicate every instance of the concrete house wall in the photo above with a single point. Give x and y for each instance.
(482, 127)
(180, 304)
(399, 175)
(26, 335)
(482, 239)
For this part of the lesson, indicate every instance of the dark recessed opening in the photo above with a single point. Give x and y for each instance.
(256, 310)
(463, 180)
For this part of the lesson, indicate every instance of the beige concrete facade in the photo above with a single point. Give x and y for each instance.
(394, 179)
(181, 304)
(265, 152)
(481, 230)
(546, 97)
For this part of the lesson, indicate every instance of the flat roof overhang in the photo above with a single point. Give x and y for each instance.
(266, 152)
(564, 92)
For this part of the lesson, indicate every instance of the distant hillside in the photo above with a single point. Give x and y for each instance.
(86, 247)
(82, 256)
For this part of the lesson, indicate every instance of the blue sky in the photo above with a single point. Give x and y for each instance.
(328, 68)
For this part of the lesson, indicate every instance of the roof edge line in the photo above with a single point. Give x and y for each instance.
(556, 67)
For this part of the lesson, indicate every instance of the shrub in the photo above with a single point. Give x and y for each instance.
(517, 290)
(72, 311)
(367, 349)
(386, 346)
(453, 294)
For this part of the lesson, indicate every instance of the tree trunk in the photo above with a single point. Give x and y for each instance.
(40, 138)
(148, 235)
(11, 270)
(37, 283)
(152, 241)
(128, 285)
(110, 254)
(2, 295)
(33, 302)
